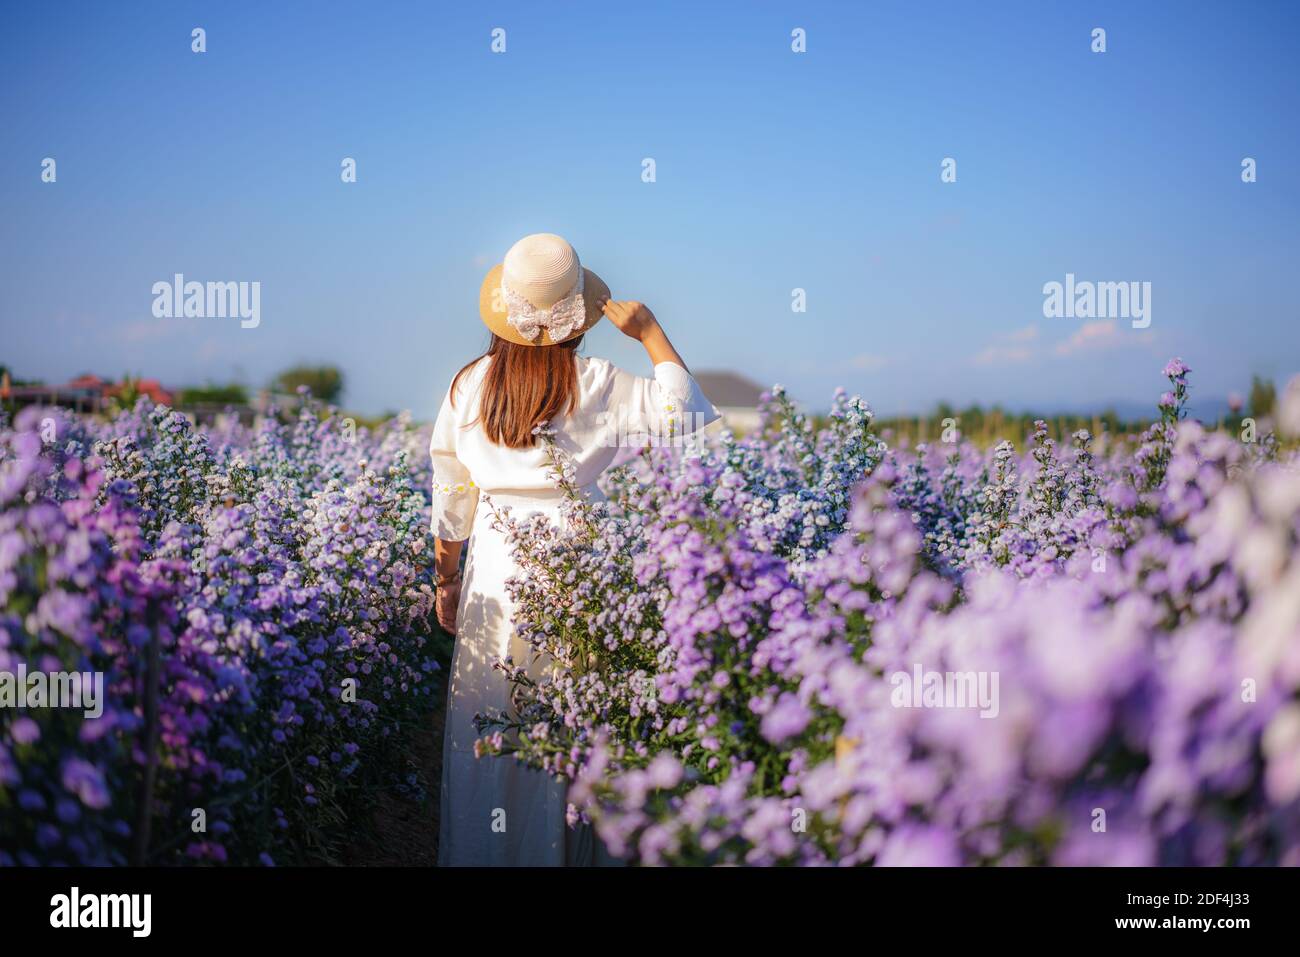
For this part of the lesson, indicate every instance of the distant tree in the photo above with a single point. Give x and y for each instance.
(127, 394)
(232, 394)
(1263, 395)
(325, 382)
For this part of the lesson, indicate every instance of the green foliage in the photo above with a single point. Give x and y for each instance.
(127, 395)
(988, 427)
(1263, 396)
(232, 394)
(325, 382)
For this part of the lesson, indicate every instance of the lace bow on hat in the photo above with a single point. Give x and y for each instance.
(561, 320)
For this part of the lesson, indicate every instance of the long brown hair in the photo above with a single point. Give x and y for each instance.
(524, 385)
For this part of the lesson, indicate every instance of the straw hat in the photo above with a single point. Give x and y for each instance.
(540, 294)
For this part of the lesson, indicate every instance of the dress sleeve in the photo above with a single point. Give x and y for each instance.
(670, 404)
(455, 496)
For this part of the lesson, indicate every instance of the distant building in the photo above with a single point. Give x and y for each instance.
(110, 390)
(735, 396)
(85, 393)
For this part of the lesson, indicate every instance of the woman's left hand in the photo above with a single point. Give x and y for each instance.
(633, 319)
(445, 603)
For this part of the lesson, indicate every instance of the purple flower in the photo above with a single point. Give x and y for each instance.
(787, 718)
(912, 846)
(87, 782)
(25, 731)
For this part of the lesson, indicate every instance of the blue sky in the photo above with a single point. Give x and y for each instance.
(775, 171)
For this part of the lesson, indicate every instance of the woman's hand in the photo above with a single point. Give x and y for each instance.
(633, 319)
(636, 320)
(446, 580)
(445, 602)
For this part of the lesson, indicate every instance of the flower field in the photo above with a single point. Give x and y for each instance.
(743, 637)
(803, 646)
(258, 604)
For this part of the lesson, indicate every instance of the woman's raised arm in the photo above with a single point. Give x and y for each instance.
(669, 405)
(634, 319)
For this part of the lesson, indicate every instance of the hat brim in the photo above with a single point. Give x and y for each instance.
(492, 309)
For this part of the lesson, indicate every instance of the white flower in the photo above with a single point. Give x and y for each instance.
(1288, 415)
(1281, 744)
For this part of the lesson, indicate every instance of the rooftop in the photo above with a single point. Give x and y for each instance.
(728, 389)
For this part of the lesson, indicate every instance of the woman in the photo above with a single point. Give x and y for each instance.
(538, 303)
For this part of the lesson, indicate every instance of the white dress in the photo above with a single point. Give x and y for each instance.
(494, 810)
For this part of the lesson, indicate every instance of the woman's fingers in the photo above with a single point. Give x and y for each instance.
(622, 309)
(447, 600)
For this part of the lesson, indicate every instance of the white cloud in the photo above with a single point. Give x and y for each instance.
(1101, 335)
(1009, 348)
(142, 330)
(868, 363)
(1091, 337)
(1002, 355)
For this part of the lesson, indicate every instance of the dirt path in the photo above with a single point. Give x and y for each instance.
(404, 829)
